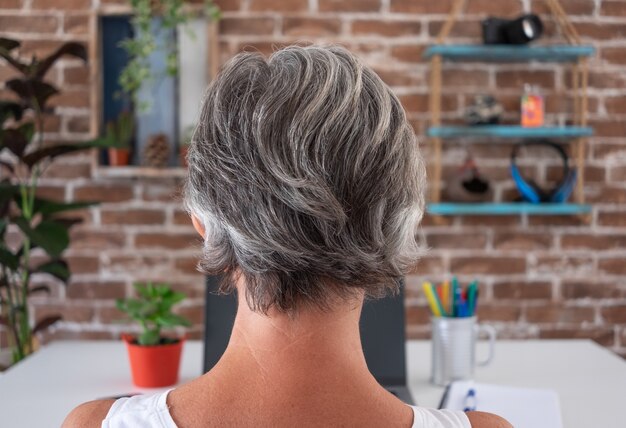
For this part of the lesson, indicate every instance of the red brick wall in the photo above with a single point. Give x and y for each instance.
(540, 276)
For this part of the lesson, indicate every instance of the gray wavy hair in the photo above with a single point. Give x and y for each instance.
(307, 179)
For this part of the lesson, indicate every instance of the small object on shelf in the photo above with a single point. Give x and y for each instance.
(532, 107)
(120, 133)
(484, 111)
(157, 151)
(469, 185)
(518, 31)
(530, 190)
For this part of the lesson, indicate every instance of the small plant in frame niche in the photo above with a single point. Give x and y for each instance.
(120, 134)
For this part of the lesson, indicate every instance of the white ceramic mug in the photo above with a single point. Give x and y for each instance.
(454, 348)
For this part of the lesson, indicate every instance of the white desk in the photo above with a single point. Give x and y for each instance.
(590, 381)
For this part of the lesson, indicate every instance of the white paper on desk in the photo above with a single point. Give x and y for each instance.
(522, 407)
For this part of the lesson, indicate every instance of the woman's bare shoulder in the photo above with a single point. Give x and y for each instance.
(88, 415)
(487, 420)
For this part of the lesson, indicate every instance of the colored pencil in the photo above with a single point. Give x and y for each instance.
(432, 299)
(445, 301)
(471, 297)
(456, 297)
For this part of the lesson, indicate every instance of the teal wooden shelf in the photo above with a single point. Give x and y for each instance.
(510, 53)
(509, 131)
(512, 208)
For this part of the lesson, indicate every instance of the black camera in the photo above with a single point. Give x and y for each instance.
(519, 31)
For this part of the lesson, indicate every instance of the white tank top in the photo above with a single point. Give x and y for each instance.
(150, 411)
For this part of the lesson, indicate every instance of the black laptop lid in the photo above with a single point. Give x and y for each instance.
(383, 338)
(382, 332)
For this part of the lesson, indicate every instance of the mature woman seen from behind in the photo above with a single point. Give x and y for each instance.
(306, 183)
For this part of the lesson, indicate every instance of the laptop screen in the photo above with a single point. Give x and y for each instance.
(383, 338)
(382, 332)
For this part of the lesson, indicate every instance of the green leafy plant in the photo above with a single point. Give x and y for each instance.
(41, 223)
(121, 131)
(153, 311)
(144, 43)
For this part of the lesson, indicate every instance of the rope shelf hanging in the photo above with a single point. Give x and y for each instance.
(579, 83)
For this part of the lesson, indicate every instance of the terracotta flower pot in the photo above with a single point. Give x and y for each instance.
(154, 366)
(119, 157)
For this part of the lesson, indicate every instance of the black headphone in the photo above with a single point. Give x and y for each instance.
(530, 190)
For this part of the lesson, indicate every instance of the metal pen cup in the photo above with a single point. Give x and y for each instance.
(454, 347)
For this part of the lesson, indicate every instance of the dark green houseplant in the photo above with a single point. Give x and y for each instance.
(40, 222)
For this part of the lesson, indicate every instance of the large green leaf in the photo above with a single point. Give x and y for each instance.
(48, 208)
(8, 44)
(18, 139)
(57, 268)
(4, 208)
(66, 222)
(9, 259)
(49, 235)
(46, 322)
(33, 92)
(10, 109)
(8, 191)
(13, 140)
(52, 152)
(71, 48)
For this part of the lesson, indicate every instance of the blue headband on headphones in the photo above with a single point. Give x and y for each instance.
(530, 191)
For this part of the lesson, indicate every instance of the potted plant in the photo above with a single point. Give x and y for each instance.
(154, 358)
(184, 145)
(120, 134)
(42, 224)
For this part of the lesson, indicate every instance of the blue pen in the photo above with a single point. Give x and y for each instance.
(469, 404)
(462, 310)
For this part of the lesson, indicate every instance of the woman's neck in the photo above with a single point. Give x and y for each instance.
(310, 365)
(311, 343)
